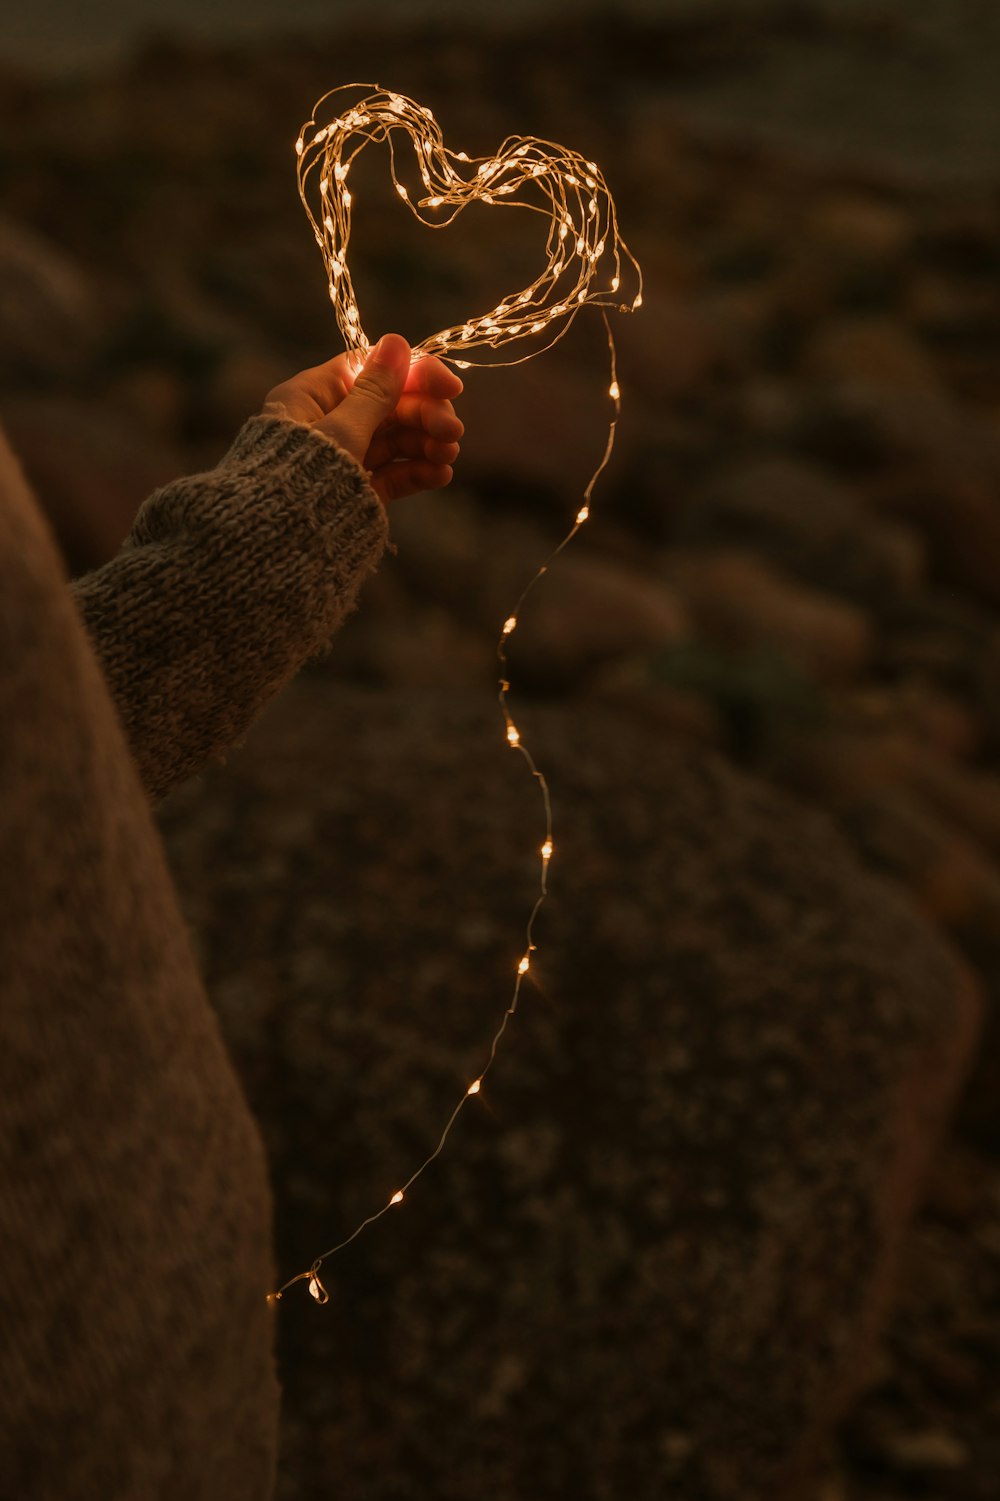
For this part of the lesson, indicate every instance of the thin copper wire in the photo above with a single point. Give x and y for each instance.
(525, 173)
(558, 175)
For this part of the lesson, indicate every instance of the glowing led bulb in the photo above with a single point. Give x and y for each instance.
(435, 202)
(509, 624)
(513, 738)
(474, 1087)
(547, 850)
(638, 301)
(582, 515)
(397, 1197)
(616, 282)
(317, 1289)
(524, 964)
(614, 390)
(401, 190)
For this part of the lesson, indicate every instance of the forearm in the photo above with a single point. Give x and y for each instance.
(229, 582)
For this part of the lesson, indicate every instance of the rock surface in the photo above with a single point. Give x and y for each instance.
(687, 1179)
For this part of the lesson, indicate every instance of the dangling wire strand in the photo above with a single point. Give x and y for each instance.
(582, 213)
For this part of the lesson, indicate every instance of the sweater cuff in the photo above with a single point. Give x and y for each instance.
(269, 441)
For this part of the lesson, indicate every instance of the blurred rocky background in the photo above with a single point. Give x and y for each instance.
(766, 677)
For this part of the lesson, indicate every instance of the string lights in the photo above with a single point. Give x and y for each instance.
(586, 261)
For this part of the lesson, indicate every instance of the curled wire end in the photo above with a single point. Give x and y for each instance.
(317, 1290)
(273, 1298)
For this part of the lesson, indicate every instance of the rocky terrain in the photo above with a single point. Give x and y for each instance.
(793, 568)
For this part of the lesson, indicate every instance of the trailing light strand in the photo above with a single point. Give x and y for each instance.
(583, 232)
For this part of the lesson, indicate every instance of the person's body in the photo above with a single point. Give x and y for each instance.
(136, 1343)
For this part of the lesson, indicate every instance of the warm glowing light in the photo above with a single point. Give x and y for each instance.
(524, 172)
(582, 515)
(547, 850)
(524, 965)
(474, 1087)
(509, 624)
(317, 1289)
(397, 1197)
(513, 738)
(614, 390)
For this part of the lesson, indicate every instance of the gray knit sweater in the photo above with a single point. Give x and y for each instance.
(136, 1346)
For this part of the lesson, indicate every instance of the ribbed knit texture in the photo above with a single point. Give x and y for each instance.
(135, 1215)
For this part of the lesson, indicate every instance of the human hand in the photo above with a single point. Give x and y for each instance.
(395, 417)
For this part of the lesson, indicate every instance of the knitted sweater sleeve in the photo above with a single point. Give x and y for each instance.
(229, 581)
(136, 1346)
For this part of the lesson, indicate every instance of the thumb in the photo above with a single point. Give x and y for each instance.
(377, 389)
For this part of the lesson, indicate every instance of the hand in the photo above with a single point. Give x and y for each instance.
(395, 417)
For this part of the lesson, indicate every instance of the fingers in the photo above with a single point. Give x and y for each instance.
(371, 398)
(430, 376)
(394, 415)
(418, 427)
(395, 481)
(408, 443)
(313, 393)
(435, 417)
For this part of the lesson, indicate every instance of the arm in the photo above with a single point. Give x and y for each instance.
(232, 579)
(228, 582)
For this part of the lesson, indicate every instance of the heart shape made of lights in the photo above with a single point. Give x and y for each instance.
(585, 254)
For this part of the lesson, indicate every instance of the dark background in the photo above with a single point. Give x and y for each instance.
(795, 555)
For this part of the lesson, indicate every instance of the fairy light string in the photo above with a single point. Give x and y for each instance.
(586, 263)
